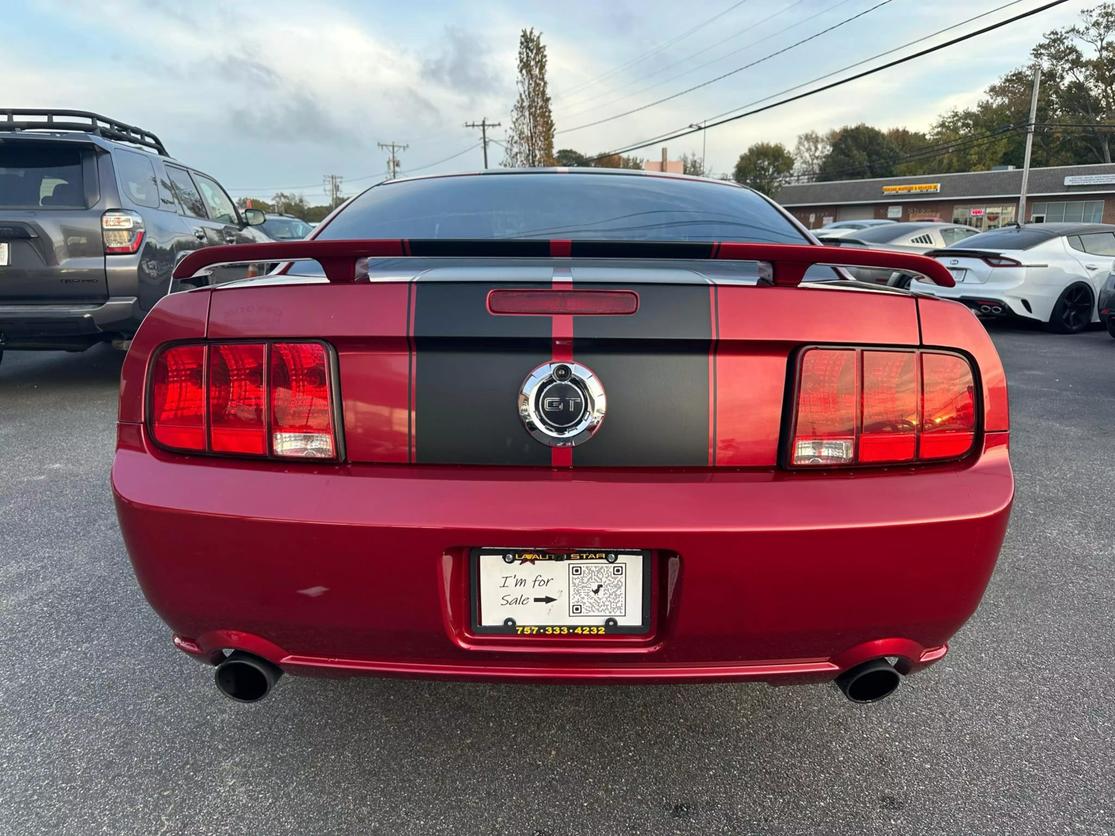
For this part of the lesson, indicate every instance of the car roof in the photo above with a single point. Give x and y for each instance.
(609, 172)
(78, 137)
(1055, 230)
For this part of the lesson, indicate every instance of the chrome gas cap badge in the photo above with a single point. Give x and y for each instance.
(562, 404)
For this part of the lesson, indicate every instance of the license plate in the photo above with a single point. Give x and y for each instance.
(958, 275)
(4, 254)
(579, 593)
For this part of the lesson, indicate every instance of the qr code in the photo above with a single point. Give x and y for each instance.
(596, 589)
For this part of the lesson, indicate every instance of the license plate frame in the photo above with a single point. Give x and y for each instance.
(958, 274)
(5, 253)
(559, 622)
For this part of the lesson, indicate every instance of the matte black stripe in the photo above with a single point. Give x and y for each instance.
(503, 248)
(470, 366)
(655, 370)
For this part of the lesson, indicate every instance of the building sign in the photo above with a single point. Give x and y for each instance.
(1090, 180)
(913, 188)
(977, 213)
(894, 212)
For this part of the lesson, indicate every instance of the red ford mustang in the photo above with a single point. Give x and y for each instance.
(564, 426)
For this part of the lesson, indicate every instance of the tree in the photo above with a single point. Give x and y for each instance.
(693, 165)
(531, 139)
(809, 153)
(617, 161)
(569, 157)
(254, 203)
(291, 204)
(859, 151)
(765, 166)
(1078, 64)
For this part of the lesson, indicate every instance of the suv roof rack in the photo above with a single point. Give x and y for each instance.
(64, 120)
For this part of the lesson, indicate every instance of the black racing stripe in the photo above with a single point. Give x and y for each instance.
(642, 249)
(654, 367)
(469, 368)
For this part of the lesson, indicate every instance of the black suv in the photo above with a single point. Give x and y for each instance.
(94, 215)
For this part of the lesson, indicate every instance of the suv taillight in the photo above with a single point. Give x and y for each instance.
(879, 406)
(245, 399)
(122, 231)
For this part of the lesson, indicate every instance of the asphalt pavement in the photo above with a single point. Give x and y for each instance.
(105, 728)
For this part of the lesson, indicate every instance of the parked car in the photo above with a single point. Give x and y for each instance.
(538, 441)
(1106, 304)
(911, 237)
(94, 215)
(838, 228)
(281, 227)
(1048, 272)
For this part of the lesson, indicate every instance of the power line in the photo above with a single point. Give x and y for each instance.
(483, 125)
(691, 68)
(649, 53)
(839, 82)
(723, 76)
(450, 157)
(332, 184)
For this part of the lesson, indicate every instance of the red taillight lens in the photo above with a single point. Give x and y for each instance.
(825, 429)
(1001, 261)
(178, 398)
(948, 409)
(890, 407)
(868, 406)
(237, 399)
(301, 407)
(230, 398)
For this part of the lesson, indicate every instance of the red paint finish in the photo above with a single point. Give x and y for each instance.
(774, 575)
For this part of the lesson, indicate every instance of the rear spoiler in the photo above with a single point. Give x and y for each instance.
(788, 262)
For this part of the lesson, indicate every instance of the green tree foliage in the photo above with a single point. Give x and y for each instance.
(859, 151)
(569, 157)
(765, 166)
(617, 161)
(809, 153)
(531, 139)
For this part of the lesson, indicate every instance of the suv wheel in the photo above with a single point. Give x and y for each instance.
(1110, 322)
(1073, 311)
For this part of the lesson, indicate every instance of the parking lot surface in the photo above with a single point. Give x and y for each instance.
(105, 728)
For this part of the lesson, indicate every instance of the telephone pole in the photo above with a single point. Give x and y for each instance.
(332, 183)
(483, 125)
(393, 149)
(1021, 218)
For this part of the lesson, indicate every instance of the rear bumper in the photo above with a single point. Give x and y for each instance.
(766, 576)
(67, 325)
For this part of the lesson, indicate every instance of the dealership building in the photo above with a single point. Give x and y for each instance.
(983, 199)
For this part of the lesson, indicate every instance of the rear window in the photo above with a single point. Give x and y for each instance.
(887, 232)
(286, 229)
(565, 206)
(1008, 238)
(42, 175)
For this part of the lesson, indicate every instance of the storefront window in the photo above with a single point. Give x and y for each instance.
(1070, 211)
(985, 217)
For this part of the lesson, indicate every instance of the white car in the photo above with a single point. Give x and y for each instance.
(839, 228)
(1046, 272)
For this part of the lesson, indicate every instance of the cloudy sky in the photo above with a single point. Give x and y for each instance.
(272, 95)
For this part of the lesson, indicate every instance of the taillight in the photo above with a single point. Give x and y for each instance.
(1001, 261)
(301, 406)
(122, 231)
(245, 399)
(875, 406)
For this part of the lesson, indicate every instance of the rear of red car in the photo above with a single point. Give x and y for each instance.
(785, 482)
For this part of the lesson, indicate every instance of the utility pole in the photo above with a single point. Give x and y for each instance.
(704, 146)
(1021, 218)
(483, 125)
(332, 184)
(392, 158)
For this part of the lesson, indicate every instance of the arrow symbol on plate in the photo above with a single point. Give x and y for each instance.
(546, 600)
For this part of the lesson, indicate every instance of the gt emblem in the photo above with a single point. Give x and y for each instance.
(562, 404)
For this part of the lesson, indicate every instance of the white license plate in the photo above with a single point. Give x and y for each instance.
(4, 254)
(958, 275)
(576, 593)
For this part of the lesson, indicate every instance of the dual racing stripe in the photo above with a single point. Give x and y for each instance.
(656, 367)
